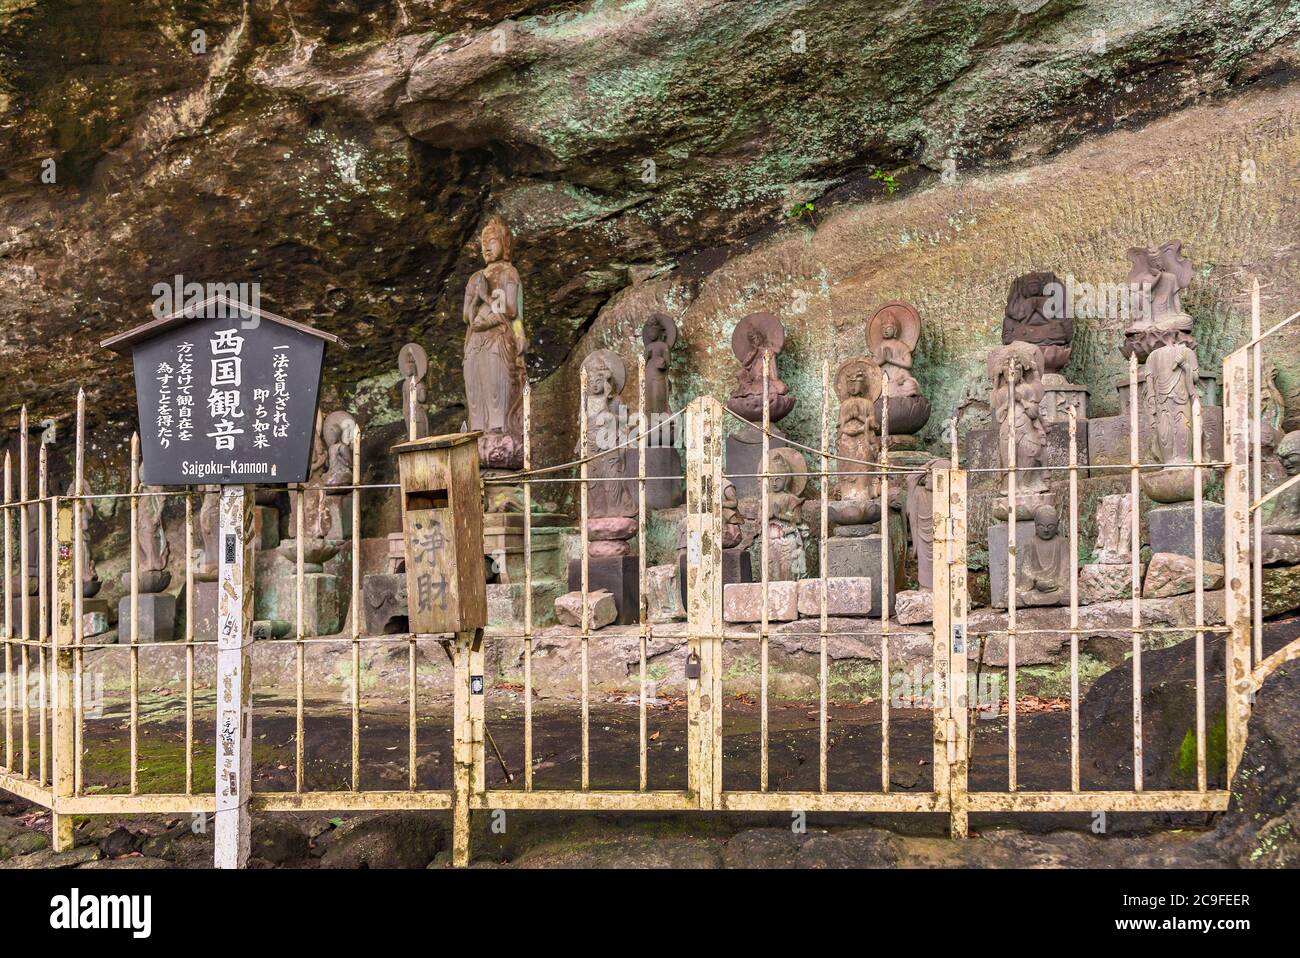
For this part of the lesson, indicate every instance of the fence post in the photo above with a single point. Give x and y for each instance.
(1236, 552)
(704, 598)
(234, 677)
(61, 637)
(941, 681)
(468, 739)
(959, 695)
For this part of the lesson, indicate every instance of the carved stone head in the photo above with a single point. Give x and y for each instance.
(495, 241)
(1046, 523)
(1288, 450)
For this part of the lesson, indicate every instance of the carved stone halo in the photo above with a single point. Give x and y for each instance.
(788, 460)
(904, 316)
(766, 323)
(413, 361)
(617, 371)
(664, 322)
(874, 382)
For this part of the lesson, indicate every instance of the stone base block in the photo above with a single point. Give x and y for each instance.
(1105, 582)
(998, 559)
(743, 602)
(663, 594)
(322, 606)
(915, 606)
(846, 596)
(384, 610)
(601, 609)
(1171, 529)
(340, 508)
(1170, 575)
(505, 603)
(157, 617)
(736, 567)
(617, 575)
(859, 557)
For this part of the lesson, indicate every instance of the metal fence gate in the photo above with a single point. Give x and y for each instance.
(44, 648)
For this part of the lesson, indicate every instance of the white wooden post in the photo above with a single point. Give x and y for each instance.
(704, 598)
(234, 676)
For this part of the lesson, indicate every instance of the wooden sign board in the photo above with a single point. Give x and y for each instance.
(442, 518)
(225, 396)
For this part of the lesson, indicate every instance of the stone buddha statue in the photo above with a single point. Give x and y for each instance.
(892, 334)
(756, 335)
(1043, 563)
(785, 542)
(1016, 374)
(1281, 540)
(1156, 282)
(1167, 396)
(494, 347)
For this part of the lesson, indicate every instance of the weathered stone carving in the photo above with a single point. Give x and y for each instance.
(611, 501)
(1281, 541)
(310, 498)
(892, 334)
(1035, 313)
(1167, 395)
(785, 540)
(1156, 282)
(658, 336)
(732, 523)
(1114, 530)
(856, 497)
(494, 346)
(151, 539)
(920, 520)
(338, 433)
(756, 334)
(205, 568)
(90, 581)
(1043, 563)
(413, 364)
(1016, 373)
(1030, 317)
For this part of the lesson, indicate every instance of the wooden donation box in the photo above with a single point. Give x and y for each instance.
(442, 521)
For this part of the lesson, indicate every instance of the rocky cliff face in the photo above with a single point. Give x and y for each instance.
(343, 154)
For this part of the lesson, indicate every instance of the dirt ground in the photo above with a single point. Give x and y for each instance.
(590, 839)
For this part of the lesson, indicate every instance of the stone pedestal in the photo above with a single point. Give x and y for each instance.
(383, 604)
(745, 457)
(266, 527)
(1059, 396)
(663, 493)
(981, 451)
(1108, 439)
(859, 556)
(340, 510)
(617, 575)
(998, 558)
(736, 567)
(94, 617)
(663, 594)
(322, 606)
(743, 602)
(846, 597)
(157, 617)
(1171, 529)
(505, 603)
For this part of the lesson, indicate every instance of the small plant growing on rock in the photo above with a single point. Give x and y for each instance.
(891, 184)
(803, 211)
